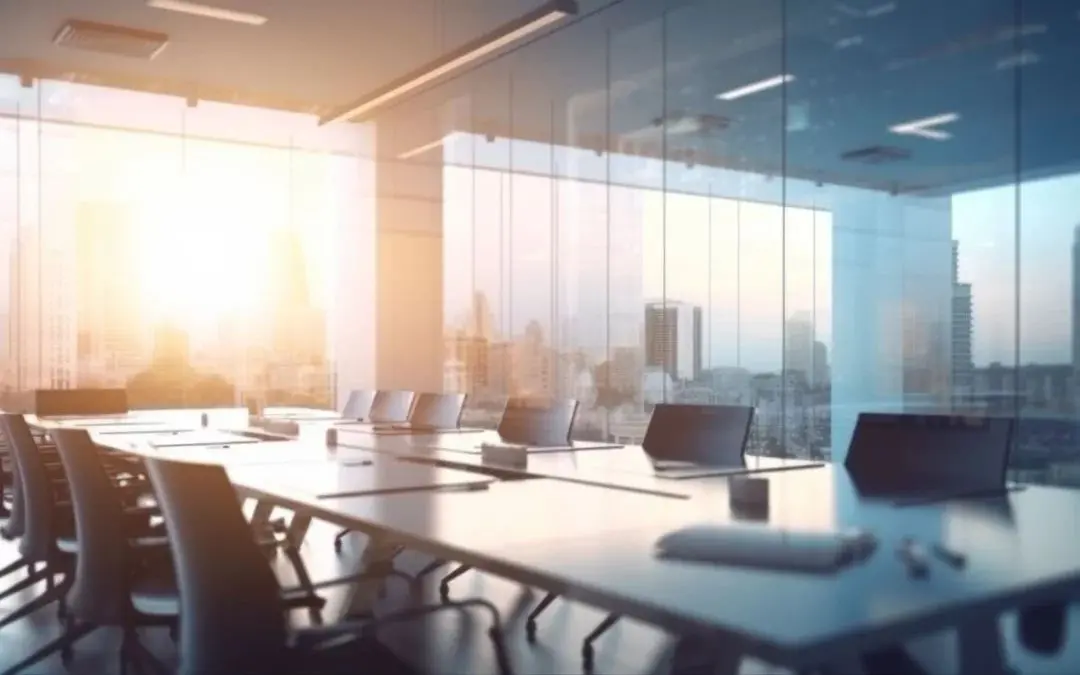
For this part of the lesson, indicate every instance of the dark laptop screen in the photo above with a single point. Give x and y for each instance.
(897, 454)
(537, 422)
(706, 435)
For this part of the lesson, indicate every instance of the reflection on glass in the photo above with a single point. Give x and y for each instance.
(748, 210)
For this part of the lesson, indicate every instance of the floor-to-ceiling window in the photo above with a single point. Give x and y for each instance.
(815, 208)
(194, 254)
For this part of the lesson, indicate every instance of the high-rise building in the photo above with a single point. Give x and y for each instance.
(533, 363)
(673, 339)
(804, 355)
(112, 338)
(962, 329)
(1076, 305)
(41, 334)
(297, 367)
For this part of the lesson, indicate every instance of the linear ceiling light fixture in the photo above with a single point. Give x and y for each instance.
(925, 127)
(755, 87)
(207, 11)
(420, 149)
(507, 34)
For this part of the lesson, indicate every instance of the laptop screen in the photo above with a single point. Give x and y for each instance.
(391, 406)
(438, 411)
(705, 435)
(537, 422)
(358, 405)
(897, 454)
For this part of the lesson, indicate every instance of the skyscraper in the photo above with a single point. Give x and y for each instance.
(1076, 306)
(803, 352)
(112, 340)
(41, 335)
(673, 338)
(298, 366)
(962, 328)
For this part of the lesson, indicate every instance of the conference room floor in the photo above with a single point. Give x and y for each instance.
(450, 642)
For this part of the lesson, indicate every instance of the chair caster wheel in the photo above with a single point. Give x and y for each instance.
(444, 592)
(337, 546)
(67, 655)
(530, 630)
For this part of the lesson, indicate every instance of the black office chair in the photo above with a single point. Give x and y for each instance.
(120, 556)
(6, 484)
(10, 494)
(233, 619)
(46, 522)
(47, 519)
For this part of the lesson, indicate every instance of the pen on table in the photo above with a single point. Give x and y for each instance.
(952, 558)
(914, 557)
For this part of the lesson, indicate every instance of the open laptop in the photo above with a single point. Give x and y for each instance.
(536, 424)
(928, 457)
(431, 413)
(695, 441)
(390, 407)
(358, 405)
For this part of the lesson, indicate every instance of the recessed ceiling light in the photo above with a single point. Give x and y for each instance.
(755, 87)
(506, 35)
(207, 11)
(924, 128)
(1024, 58)
(421, 149)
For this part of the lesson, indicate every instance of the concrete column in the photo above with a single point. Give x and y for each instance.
(409, 261)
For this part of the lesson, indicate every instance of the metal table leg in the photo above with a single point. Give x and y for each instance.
(428, 569)
(444, 585)
(530, 623)
(298, 529)
(587, 648)
(260, 518)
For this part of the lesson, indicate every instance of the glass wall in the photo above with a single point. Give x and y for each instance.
(189, 253)
(814, 208)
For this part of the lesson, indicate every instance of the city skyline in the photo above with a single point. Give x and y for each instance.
(986, 251)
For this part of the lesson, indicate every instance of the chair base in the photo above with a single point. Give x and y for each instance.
(339, 538)
(53, 592)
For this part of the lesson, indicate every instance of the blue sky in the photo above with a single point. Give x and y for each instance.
(984, 222)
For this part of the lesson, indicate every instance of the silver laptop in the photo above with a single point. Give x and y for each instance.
(539, 425)
(431, 413)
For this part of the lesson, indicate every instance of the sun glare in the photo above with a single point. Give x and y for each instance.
(202, 262)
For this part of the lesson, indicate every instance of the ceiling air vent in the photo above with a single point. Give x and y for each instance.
(876, 154)
(106, 39)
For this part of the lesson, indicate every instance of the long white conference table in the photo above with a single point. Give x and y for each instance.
(558, 527)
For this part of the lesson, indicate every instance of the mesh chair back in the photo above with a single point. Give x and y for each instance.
(40, 518)
(101, 594)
